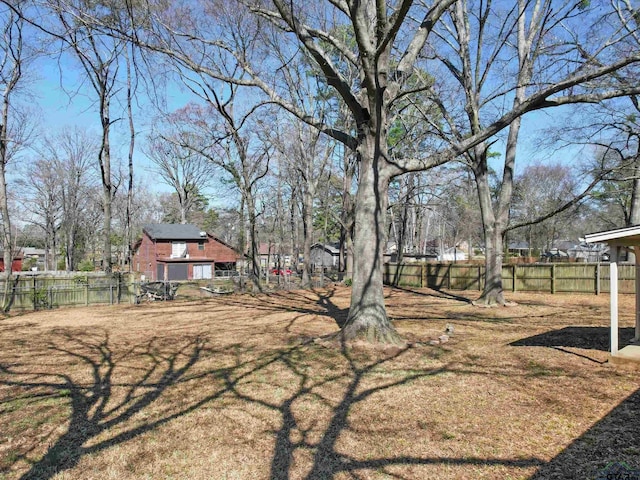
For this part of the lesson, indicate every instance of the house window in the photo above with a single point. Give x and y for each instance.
(178, 249)
(201, 245)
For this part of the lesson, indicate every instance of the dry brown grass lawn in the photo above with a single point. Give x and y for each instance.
(232, 388)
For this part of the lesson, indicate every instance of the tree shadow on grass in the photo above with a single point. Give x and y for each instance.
(614, 439)
(305, 302)
(586, 338)
(93, 410)
(328, 460)
(104, 385)
(436, 293)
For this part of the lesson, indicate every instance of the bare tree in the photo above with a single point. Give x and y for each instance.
(70, 156)
(13, 128)
(540, 189)
(217, 43)
(219, 135)
(131, 89)
(384, 82)
(529, 55)
(41, 197)
(99, 56)
(307, 157)
(173, 150)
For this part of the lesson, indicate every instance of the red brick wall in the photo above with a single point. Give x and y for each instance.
(219, 252)
(144, 260)
(213, 250)
(16, 265)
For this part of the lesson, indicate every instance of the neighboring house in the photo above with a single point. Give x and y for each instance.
(567, 250)
(36, 256)
(271, 256)
(453, 254)
(430, 255)
(520, 249)
(16, 265)
(324, 256)
(433, 250)
(180, 252)
(585, 252)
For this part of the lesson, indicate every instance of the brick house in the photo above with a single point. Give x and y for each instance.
(170, 251)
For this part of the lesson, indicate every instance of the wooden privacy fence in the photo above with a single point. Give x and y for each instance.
(542, 277)
(37, 292)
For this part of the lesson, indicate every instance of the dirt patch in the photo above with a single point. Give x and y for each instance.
(234, 387)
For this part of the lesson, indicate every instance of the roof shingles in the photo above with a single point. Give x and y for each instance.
(173, 231)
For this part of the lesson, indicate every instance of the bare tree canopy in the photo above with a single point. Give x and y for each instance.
(173, 150)
(468, 69)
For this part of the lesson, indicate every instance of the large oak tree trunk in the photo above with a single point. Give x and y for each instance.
(367, 317)
(493, 293)
(493, 228)
(307, 226)
(495, 218)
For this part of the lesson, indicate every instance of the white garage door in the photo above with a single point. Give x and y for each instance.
(201, 271)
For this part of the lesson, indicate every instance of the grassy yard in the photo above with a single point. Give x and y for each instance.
(236, 388)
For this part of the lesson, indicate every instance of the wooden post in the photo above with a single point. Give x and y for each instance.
(598, 276)
(132, 289)
(514, 277)
(479, 278)
(553, 278)
(613, 281)
(35, 293)
(86, 290)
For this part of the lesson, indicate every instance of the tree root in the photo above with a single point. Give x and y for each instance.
(387, 340)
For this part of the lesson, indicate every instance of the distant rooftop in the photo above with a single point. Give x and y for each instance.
(173, 231)
(331, 248)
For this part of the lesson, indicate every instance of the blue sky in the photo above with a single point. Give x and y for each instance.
(73, 104)
(61, 101)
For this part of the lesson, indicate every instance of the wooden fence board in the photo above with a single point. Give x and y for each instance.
(36, 292)
(537, 277)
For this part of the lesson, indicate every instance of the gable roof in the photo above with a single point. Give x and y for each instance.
(628, 236)
(173, 231)
(333, 250)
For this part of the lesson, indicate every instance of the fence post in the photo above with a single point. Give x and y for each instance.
(132, 288)
(598, 273)
(479, 278)
(514, 276)
(449, 277)
(423, 275)
(86, 290)
(35, 294)
(553, 278)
